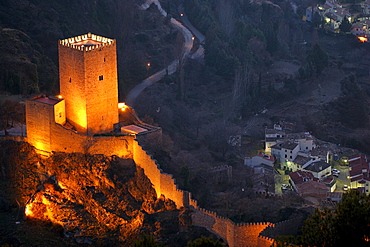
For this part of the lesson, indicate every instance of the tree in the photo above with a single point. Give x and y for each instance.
(11, 113)
(347, 225)
(317, 60)
(205, 242)
(345, 25)
(147, 241)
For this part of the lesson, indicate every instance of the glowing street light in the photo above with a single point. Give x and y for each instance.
(362, 39)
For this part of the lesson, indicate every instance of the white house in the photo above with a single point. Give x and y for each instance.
(285, 151)
(318, 168)
(273, 136)
(258, 159)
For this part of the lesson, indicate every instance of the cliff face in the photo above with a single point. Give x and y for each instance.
(93, 198)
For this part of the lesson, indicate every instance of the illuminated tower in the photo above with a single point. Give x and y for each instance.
(88, 82)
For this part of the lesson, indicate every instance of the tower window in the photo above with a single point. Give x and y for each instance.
(104, 59)
(70, 79)
(101, 77)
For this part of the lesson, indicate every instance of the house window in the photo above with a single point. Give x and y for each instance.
(101, 77)
(290, 157)
(290, 151)
(286, 156)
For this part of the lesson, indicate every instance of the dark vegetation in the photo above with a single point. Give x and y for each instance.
(346, 225)
(222, 96)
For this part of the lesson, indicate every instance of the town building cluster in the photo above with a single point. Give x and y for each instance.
(308, 163)
(332, 14)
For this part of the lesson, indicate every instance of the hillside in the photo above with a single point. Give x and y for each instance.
(88, 199)
(30, 31)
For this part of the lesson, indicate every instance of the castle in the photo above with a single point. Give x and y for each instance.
(87, 117)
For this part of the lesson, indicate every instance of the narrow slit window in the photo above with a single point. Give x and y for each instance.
(101, 77)
(70, 79)
(104, 59)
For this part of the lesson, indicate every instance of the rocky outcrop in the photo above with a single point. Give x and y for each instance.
(92, 197)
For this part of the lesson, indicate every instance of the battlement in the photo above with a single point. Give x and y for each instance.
(86, 42)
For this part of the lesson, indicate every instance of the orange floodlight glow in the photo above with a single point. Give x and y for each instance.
(362, 39)
(59, 96)
(122, 106)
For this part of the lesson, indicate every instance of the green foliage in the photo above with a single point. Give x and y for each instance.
(147, 241)
(347, 225)
(345, 25)
(11, 113)
(205, 242)
(317, 60)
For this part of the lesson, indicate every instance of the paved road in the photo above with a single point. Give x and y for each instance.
(188, 44)
(187, 24)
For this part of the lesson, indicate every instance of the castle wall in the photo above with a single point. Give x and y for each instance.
(101, 88)
(236, 235)
(60, 112)
(89, 84)
(66, 140)
(149, 165)
(39, 118)
(72, 85)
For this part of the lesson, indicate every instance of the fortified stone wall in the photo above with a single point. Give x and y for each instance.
(163, 183)
(39, 120)
(72, 85)
(89, 83)
(66, 140)
(245, 234)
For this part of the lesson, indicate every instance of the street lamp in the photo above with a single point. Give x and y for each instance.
(147, 68)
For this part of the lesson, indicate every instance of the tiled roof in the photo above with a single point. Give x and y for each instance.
(300, 177)
(317, 166)
(301, 160)
(289, 145)
(47, 100)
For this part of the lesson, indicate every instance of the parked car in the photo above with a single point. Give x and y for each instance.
(285, 187)
(335, 171)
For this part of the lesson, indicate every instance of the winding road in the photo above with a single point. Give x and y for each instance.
(186, 51)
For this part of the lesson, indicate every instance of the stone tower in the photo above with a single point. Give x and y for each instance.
(88, 82)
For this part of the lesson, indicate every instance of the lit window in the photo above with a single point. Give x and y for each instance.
(101, 77)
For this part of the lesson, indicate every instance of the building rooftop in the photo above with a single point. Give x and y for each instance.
(265, 156)
(46, 100)
(301, 160)
(133, 129)
(288, 145)
(317, 166)
(300, 135)
(86, 41)
(298, 177)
